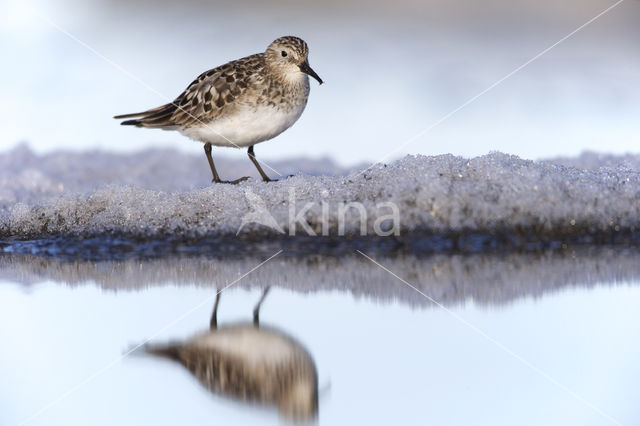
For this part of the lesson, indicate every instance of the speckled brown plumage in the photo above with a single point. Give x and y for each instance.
(240, 103)
(250, 363)
(245, 81)
(205, 98)
(230, 376)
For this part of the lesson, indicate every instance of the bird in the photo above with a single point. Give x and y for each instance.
(239, 104)
(250, 362)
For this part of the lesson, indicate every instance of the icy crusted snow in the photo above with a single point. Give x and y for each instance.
(161, 194)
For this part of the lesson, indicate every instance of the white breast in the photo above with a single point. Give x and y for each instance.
(246, 126)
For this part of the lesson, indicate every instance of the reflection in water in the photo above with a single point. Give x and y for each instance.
(250, 363)
(582, 332)
(489, 279)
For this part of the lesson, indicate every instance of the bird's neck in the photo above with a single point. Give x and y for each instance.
(295, 79)
(289, 76)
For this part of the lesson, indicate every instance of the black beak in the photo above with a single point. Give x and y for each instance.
(305, 68)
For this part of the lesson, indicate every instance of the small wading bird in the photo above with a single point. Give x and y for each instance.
(250, 362)
(240, 103)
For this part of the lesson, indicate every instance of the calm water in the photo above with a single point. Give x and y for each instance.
(519, 339)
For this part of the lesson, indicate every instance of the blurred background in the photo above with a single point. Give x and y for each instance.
(391, 69)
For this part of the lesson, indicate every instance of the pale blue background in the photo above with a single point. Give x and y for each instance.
(391, 70)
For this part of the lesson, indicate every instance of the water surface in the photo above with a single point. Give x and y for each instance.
(547, 338)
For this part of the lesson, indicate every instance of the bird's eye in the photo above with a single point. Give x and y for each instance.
(284, 54)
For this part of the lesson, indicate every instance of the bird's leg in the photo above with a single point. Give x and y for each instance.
(252, 156)
(207, 151)
(216, 178)
(256, 310)
(213, 324)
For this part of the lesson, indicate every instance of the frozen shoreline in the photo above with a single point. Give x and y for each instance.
(496, 194)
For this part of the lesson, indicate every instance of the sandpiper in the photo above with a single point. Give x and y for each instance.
(240, 103)
(251, 363)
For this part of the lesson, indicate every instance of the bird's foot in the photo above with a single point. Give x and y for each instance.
(276, 180)
(232, 182)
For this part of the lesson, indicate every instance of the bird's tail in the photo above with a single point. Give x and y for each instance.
(156, 117)
(171, 352)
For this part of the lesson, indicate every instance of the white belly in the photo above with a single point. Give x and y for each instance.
(246, 126)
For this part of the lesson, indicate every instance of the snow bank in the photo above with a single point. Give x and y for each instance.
(147, 195)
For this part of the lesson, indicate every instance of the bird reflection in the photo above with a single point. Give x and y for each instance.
(250, 362)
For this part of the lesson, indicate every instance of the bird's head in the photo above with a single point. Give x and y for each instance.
(299, 401)
(289, 55)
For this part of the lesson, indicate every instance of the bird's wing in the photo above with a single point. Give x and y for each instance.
(205, 97)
